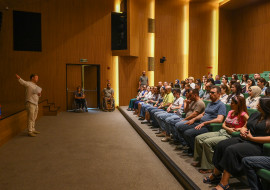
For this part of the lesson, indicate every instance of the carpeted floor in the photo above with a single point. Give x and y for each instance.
(77, 151)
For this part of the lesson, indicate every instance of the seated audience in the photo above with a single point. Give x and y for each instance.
(205, 143)
(160, 117)
(140, 98)
(210, 76)
(252, 164)
(211, 80)
(229, 153)
(187, 87)
(235, 91)
(225, 81)
(193, 106)
(80, 99)
(214, 113)
(263, 84)
(204, 81)
(132, 101)
(254, 97)
(148, 96)
(224, 93)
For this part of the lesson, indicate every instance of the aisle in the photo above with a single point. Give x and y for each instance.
(95, 150)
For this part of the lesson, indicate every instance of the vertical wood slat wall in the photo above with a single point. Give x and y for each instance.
(73, 30)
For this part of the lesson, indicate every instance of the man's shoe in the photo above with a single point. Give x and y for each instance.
(161, 135)
(31, 135)
(36, 132)
(165, 139)
(141, 118)
(144, 122)
(179, 147)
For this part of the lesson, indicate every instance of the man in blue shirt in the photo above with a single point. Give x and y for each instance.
(214, 113)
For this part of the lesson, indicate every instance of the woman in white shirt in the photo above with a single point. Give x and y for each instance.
(254, 97)
(224, 93)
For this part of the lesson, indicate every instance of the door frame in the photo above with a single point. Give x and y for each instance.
(98, 81)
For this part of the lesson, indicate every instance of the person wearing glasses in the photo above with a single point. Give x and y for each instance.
(214, 113)
(254, 97)
(205, 143)
(229, 153)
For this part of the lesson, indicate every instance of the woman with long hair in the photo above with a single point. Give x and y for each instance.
(229, 153)
(236, 91)
(205, 143)
(225, 91)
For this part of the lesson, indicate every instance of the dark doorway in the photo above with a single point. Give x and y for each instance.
(86, 76)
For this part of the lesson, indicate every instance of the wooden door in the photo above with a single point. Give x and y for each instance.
(74, 79)
(91, 85)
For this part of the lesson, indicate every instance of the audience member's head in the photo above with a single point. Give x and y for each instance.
(187, 93)
(251, 82)
(186, 80)
(215, 93)
(190, 79)
(198, 86)
(236, 88)
(224, 89)
(224, 80)
(245, 77)
(171, 84)
(232, 82)
(187, 86)
(183, 83)
(262, 83)
(176, 92)
(211, 80)
(217, 77)
(204, 79)
(208, 87)
(234, 77)
(168, 89)
(165, 84)
(238, 104)
(108, 85)
(176, 81)
(254, 91)
(257, 76)
(143, 73)
(210, 75)
(198, 81)
(160, 84)
(79, 88)
(194, 94)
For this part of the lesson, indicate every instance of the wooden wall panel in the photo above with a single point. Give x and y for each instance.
(70, 30)
(130, 68)
(200, 38)
(251, 28)
(225, 52)
(169, 40)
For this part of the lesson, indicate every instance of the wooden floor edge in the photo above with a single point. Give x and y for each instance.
(180, 176)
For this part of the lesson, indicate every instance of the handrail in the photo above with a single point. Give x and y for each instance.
(21, 110)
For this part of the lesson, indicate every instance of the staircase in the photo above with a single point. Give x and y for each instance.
(50, 109)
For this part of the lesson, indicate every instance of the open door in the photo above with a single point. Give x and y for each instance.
(91, 85)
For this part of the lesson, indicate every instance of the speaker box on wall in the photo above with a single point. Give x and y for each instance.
(118, 31)
(26, 31)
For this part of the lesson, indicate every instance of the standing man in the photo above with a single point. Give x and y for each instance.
(32, 94)
(108, 94)
(143, 80)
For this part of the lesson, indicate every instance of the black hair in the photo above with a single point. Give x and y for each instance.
(177, 90)
(246, 76)
(252, 81)
(32, 75)
(267, 91)
(211, 80)
(218, 89)
(235, 77)
(195, 91)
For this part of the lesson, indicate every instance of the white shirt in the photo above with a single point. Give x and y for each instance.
(31, 91)
(177, 102)
(224, 98)
(192, 85)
